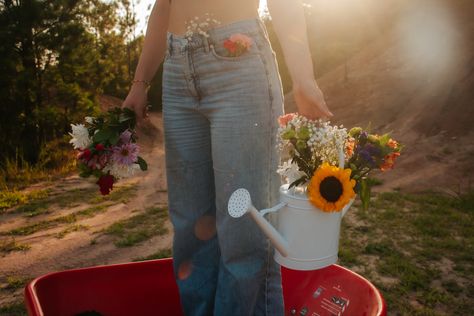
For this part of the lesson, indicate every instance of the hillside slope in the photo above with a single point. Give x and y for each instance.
(417, 81)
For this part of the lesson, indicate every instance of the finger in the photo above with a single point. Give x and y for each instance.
(326, 110)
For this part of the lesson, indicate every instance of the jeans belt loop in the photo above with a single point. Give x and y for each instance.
(170, 44)
(206, 43)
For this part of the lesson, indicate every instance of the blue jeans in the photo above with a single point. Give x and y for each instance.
(220, 123)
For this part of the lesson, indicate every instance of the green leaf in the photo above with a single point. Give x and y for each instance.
(288, 134)
(355, 131)
(384, 139)
(103, 135)
(303, 133)
(300, 144)
(364, 193)
(114, 138)
(298, 182)
(142, 163)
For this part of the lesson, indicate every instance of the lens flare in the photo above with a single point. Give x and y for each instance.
(429, 38)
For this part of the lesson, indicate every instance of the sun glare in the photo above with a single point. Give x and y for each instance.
(429, 39)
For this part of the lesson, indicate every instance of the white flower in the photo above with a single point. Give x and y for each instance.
(80, 136)
(89, 119)
(325, 141)
(120, 171)
(290, 171)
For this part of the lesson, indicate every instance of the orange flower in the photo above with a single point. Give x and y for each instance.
(389, 161)
(241, 39)
(350, 143)
(392, 143)
(284, 119)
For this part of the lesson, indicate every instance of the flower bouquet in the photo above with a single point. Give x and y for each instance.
(107, 147)
(329, 163)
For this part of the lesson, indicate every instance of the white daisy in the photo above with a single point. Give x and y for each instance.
(80, 136)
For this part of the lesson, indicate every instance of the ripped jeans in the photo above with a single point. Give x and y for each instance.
(220, 125)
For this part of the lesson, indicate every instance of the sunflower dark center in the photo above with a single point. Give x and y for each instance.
(331, 189)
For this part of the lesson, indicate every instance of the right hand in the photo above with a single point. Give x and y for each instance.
(136, 100)
(310, 100)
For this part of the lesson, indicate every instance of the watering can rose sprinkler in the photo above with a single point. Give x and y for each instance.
(307, 238)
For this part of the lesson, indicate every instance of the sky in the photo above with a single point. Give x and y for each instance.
(143, 9)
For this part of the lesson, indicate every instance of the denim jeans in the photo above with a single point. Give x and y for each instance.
(220, 123)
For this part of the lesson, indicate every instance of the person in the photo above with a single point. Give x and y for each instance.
(220, 119)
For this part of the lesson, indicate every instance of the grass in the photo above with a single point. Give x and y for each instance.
(7, 246)
(17, 308)
(138, 228)
(41, 201)
(70, 229)
(56, 160)
(163, 253)
(121, 194)
(47, 224)
(11, 198)
(418, 249)
(14, 282)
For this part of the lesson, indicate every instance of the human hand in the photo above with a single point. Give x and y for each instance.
(136, 100)
(310, 100)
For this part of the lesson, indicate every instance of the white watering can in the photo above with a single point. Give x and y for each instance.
(306, 238)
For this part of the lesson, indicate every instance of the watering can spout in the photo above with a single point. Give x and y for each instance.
(240, 204)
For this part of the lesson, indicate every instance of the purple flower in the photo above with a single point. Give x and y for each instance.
(365, 155)
(125, 137)
(125, 154)
(373, 150)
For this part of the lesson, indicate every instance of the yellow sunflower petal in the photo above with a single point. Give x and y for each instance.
(347, 184)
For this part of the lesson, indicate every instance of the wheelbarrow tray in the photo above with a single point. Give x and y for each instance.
(148, 288)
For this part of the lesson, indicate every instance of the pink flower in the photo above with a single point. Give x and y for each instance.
(237, 44)
(125, 154)
(103, 160)
(126, 136)
(230, 46)
(93, 162)
(284, 119)
(241, 39)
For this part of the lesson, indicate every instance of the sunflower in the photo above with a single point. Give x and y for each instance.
(331, 188)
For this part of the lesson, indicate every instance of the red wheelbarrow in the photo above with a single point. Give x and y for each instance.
(148, 288)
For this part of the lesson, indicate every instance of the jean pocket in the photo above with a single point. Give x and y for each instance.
(221, 53)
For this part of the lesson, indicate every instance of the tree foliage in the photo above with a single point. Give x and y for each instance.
(56, 58)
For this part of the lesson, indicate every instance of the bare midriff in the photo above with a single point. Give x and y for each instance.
(224, 11)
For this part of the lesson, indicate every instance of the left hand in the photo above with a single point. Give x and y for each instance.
(310, 100)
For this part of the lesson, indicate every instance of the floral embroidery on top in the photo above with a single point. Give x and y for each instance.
(200, 25)
(237, 44)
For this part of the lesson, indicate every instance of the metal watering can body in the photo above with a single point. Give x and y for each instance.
(305, 238)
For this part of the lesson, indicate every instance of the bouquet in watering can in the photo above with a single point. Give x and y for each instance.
(330, 163)
(107, 147)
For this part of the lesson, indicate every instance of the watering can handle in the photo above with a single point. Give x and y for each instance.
(277, 240)
(342, 157)
(273, 209)
(347, 207)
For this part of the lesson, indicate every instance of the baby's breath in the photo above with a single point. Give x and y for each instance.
(200, 25)
(314, 141)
